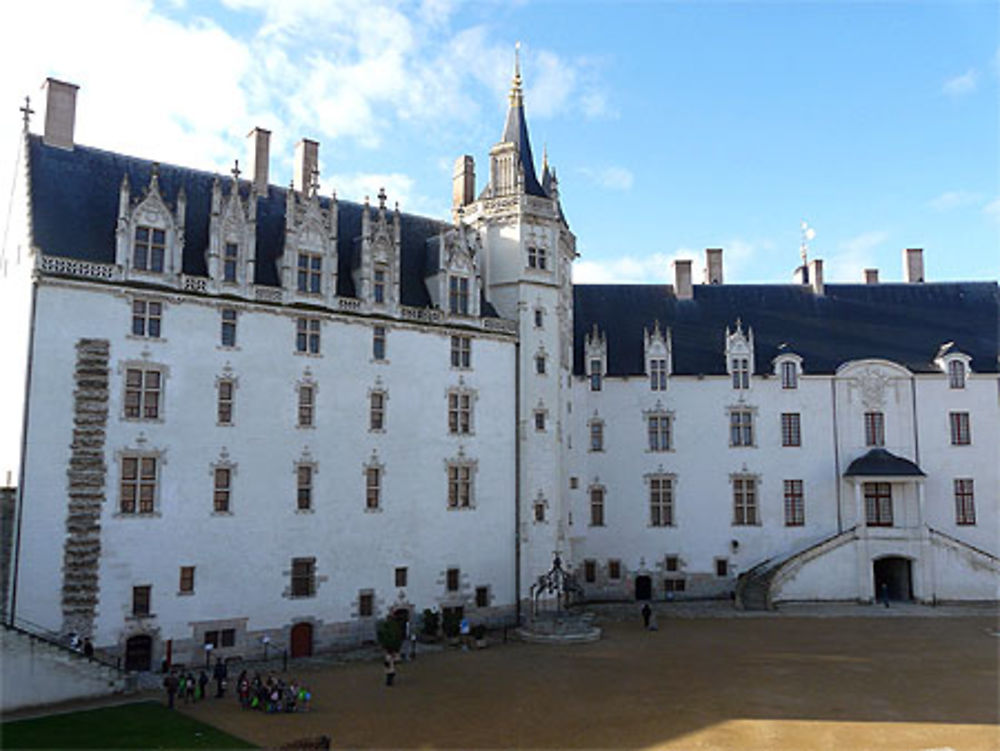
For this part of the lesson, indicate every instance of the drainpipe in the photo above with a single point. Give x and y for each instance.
(836, 453)
(517, 479)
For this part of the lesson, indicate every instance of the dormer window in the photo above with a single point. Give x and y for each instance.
(458, 295)
(789, 375)
(229, 261)
(310, 273)
(378, 284)
(595, 375)
(149, 249)
(658, 374)
(741, 373)
(956, 374)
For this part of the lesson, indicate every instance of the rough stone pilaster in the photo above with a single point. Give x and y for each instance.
(86, 476)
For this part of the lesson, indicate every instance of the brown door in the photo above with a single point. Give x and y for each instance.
(138, 653)
(302, 640)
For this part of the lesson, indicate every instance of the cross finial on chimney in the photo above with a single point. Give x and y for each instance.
(235, 171)
(26, 112)
(381, 198)
(314, 181)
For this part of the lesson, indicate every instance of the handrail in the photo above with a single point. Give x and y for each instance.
(964, 544)
(35, 631)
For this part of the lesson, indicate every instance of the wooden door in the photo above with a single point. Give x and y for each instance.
(302, 640)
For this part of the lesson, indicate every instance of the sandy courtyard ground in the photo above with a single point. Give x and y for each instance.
(710, 683)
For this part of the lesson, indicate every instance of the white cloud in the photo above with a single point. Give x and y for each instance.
(953, 199)
(656, 268)
(992, 209)
(356, 186)
(612, 178)
(963, 84)
(854, 255)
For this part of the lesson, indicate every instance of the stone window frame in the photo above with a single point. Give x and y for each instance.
(147, 317)
(597, 502)
(311, 387)
(381, 279)
(142, 601)
(305, 463)
(159, 455)
(658, 373)
(540, 503)
(228, 323)
(791, 429)
(308, 336)
(374, 493)
(459, 295)
(227, 378)
(305, 577)
(614, 569)
(793, 492)
(453, 579)
(185, 584)
(537, 256)
(595, 430)
(746, 499)
(722, 567)
(380, 344)
(150, 229)
(879, 503)
(788, 370)
(874, 427)
(666, 503)
(539, 318)
(960, 427)
(461, 352)
(483, 596)
(405, 578)
(224, 464)
(589, 571)
(308, 275)
(366, 603)
(144, 366)
(230, 258)
(540, 419)
(454, 480)
(380, 411)
(661, 416)
(738, 435)
(965, 501)
(455, 409)
(672, 563)
(541, 362)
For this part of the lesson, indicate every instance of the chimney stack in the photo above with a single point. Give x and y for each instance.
(816, 276)
(463, 184)
(871, 276)
(682, 279)
(801, 275)
(60, 113)
(259, 147)
(713, 265)
(306, 163)
(913, 265)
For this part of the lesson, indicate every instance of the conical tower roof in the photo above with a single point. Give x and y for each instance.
(515, 131)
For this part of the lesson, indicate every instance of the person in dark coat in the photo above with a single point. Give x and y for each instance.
(220, 673)
(88, 647)
(646, 613)
(202, 683)
(170, 684)
(389, 663)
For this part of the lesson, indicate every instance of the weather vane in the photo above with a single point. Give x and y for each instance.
(808, 233)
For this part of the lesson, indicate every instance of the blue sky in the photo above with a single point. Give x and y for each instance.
(673, 126)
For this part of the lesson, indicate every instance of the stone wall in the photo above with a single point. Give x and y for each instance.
(8, 499)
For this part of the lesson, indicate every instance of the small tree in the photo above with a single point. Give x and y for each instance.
(432, 620)
(452, 623)
(390, 634)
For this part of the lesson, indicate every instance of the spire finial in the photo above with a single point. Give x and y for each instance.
(808, 233)
(516, 95)
(26, 112)
(545, 155)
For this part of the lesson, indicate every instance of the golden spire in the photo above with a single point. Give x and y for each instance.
(516, 95)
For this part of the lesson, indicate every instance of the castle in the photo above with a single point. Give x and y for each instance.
(257, 414)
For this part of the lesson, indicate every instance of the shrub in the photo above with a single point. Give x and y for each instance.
(390, 634)
(432, 621)
(479, 632)
(452, 623)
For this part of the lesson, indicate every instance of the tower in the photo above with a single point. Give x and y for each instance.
(528, 251)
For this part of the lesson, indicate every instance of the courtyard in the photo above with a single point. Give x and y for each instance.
(893, 680)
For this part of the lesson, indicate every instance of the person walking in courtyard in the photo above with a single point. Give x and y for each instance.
(202, 684)
(88, 647)
(647, 612)
(389, 664)
(219, 673)
(884, 589)
(170, 684)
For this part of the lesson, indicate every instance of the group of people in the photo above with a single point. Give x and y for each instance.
(83, 645)
(185, 686)
(272, 695)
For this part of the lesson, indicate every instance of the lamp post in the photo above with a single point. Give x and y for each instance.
(208, 653)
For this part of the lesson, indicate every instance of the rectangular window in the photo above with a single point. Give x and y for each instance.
(150, 247)
(366, 604)
(961, 434)
(721, 567)
(146, 318)
(225, 405)
(378, 343)
(228, 327)
(789, 375)
(376, 416)
(303, 577)
(310, 273)
(540, 421)
(304, 487)
(673, 585)
(874, 429)
(223, 489)
(461, 351)
(212, 637)
(532, 257)
(229, 263)
(597, 435)
(878, 504)
(965, 506)
(482, 597)
(614, 569)
(307, 406)
(661, 501)
(658, 374)
(741, 427)
(540, 364)
(791, 429)
(741, 373)
(590, 571)
(956, 374)
(745, 501)
(459, 412)
(373, 487)
(452, 579)
(795, 511)
(595, 375)
(378, 285)
(658, 427)
(228, 637)
(458, 295)
(143, 387)
(670, 563)
(539, 318)
(307, 335)
(539, 511)
(187, 579)
(459, 486)
(141, 600)
(597, 507)
(138, 484)
(401, 575)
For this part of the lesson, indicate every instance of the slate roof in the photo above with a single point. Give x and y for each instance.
(515, 131)
(882, 463)
(74, 212)
(904, 323)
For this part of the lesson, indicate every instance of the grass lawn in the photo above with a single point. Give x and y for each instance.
(141, 725)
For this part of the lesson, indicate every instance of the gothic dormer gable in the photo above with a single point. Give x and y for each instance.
(376, 270)
(309, 259)
(232, 237)
(595, 350)
(150, 233)
(658, 347)
(739, 355)
(454, 281)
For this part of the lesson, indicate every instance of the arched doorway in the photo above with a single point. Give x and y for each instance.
(643, 588)
(895, 572)
(302, 640)
(139, 652)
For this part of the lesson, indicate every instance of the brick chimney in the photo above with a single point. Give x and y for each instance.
(913, 265)
(713, 265)
(816, 276)
(871, 276)
(463, 183)
(306, 163)
(259, 148)
(60, 113)
(682, 279)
